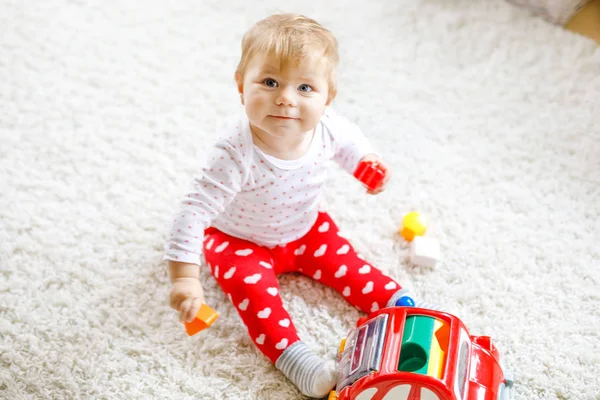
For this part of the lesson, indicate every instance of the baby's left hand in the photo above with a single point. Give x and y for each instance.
(387, 172)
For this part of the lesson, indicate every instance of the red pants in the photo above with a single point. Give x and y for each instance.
(247, 274)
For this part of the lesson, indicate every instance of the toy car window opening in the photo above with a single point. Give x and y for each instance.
(363, 351)
(359, 347)
(427, 394)
(462, 366)
(400, 392)
(424, 346)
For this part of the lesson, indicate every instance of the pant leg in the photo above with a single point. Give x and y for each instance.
(246, 273)
(329, 258)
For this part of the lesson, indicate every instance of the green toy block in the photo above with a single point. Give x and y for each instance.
(416, 344)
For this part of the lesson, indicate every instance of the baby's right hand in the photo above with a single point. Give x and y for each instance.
(186, 297)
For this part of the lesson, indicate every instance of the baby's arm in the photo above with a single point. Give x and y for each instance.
(352, 147)
(350, 144)
(212, 192)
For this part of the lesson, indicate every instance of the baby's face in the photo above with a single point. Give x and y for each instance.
(285, 103)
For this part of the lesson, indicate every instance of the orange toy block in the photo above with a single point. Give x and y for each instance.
(205, 318)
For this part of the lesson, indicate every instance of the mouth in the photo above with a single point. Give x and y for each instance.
(282, 117)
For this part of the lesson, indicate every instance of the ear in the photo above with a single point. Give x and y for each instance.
(330, 97)
(240, 85)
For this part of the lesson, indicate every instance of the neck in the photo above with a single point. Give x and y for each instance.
(282, 147)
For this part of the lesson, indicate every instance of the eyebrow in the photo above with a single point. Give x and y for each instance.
(270, 69)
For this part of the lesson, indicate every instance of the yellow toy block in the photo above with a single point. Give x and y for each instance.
(413, 224)
(439, 347)
(205, 317)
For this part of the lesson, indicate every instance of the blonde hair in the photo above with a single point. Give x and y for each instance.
(291, 37)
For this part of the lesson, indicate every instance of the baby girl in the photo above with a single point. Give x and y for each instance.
(254, 211)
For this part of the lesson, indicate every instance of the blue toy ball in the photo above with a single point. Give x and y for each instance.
(405, 301)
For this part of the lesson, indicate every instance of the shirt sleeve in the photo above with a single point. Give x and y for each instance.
(351, 145)
(221, 180)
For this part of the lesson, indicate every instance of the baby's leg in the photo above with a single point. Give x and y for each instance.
(329, 258)
(245, 272)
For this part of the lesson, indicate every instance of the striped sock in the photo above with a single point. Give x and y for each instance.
(312, 375)
(418, 303)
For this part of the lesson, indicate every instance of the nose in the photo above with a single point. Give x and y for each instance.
(286, 97)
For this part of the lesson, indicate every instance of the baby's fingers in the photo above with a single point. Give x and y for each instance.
(189, 308)
(184, 308)
(193, 310)
(376, 191)
(177, 299)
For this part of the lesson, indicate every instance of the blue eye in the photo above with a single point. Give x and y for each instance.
(270, 82)
(305, 88)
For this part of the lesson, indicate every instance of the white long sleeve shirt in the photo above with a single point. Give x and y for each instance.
(251, 195)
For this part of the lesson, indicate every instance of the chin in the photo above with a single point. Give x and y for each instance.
(279, 130)
(281, 133)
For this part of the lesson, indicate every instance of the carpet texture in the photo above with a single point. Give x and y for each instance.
(488, 115)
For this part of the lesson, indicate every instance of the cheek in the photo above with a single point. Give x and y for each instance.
(255, 103)
(313, 111)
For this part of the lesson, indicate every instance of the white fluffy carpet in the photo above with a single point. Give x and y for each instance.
(489, 116)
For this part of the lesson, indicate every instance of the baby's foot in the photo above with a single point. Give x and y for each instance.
(325, 380)
(312, 375)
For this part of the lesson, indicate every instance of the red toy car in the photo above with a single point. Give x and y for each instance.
(407, 353)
